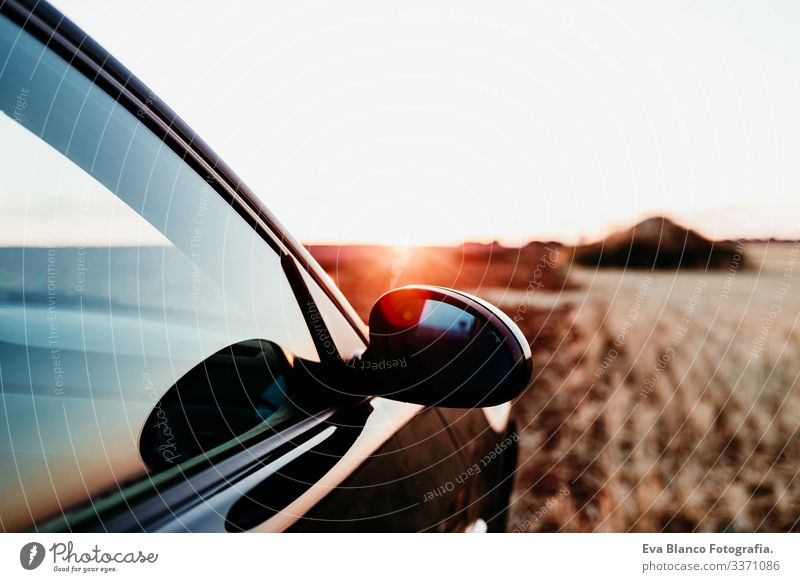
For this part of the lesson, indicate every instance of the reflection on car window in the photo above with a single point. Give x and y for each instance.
(121, 270)
(194, 416)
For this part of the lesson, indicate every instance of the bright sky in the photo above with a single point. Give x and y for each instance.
(407, 123)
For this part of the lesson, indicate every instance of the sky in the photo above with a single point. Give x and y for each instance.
(419, 123)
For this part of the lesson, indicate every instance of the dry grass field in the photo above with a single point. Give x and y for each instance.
(662, 400)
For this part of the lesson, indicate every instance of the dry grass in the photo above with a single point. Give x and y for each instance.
(672, 403)
(661, 401)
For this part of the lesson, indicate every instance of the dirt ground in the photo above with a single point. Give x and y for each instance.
(661, 401)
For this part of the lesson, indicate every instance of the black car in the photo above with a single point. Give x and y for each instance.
(171, 359)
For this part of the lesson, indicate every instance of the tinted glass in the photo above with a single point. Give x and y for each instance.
(121, 270)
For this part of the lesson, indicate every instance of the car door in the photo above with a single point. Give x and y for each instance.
(154, 355)
(410, 483)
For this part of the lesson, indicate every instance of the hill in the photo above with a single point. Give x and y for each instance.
(658, 243)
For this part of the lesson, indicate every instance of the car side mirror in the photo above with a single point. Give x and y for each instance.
(440, 347)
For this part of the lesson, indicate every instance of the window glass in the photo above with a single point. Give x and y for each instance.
(343, 338)
(121, 271)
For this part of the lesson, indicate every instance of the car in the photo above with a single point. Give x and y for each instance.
(172, 359)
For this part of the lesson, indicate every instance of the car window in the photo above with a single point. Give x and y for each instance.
(124, 279)
(343, 337)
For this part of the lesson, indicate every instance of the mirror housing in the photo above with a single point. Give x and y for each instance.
(440, 347)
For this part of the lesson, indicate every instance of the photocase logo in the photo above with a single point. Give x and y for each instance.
(31, 555)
